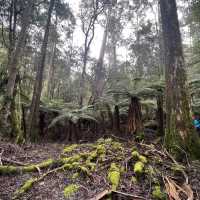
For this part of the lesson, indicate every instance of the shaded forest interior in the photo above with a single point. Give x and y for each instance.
(100, 99)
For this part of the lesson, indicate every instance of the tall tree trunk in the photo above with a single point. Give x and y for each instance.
(17, 52)
(7, 124)
(34, 109)
(12, 28)
(50, 78)
(179, 132)
(99, 69)
(161, 45)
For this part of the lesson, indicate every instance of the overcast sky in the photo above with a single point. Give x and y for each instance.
(78, 39)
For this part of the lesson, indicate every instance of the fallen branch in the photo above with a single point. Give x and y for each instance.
(13, 162)
(100, 195)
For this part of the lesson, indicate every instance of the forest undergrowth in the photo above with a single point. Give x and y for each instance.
(107, 169)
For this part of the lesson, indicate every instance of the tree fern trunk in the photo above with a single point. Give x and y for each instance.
(134, 116)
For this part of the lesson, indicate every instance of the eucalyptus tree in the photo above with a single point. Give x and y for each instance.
(179, 132)
(56, 6)
(15, 50)
(34, 109)
(89, 12)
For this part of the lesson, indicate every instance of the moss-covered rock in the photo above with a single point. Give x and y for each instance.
(70, 190)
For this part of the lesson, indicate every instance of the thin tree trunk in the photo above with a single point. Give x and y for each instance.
(160, 115)
(179, 132)
(34, 110)
(116, 119)
(99, 70)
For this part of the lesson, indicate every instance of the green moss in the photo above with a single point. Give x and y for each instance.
(71, 159)
(150, 171)
(143, 159)
(70, 190)
(177, 167)
(158, 194)
(69, 149)
(139, 168)
(84, 170)
(108, 140)
(45, 163)
(101, 149)
(75, 164)
(135, 155)
(92, 156)
(42, 165)
(29, 168)
(91, 165)
(75, 175)
(25, 187)
(67, 166)
(134, 180)
(140, 136)
(8, 169)
(100, 141)
(114, 176)
(117, 146)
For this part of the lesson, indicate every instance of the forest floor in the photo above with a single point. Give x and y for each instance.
(91, 170)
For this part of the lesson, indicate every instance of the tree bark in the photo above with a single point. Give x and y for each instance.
(99, 69)
(179, 130)
(7, 124)
(116, 119)
(160, 115)
(135, 124)
(17, 52)
(34, 109)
